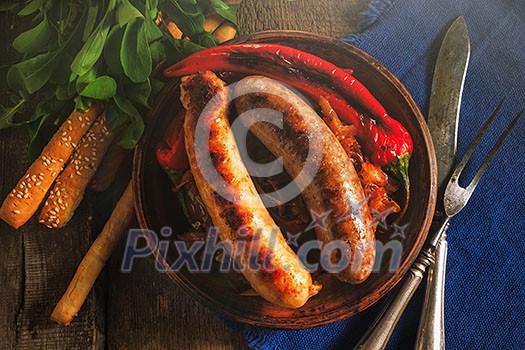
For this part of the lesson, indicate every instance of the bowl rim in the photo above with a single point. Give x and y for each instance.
(309, 321)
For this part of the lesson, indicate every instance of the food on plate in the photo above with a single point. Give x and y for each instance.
(68, 189)
(95, 259)
(335, 189)
(352, 139)
(281, 278)
(30, 191)
(385, 141)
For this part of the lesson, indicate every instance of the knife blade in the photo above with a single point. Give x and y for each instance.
(445, 97)
(445, 103)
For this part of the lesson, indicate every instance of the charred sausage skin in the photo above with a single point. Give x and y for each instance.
(280, 277)
(335, 192)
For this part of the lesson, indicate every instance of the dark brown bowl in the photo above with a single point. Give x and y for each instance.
(157, 206)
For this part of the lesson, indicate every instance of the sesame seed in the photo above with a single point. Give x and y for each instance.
(64, 133)
(60, 200)
(41, 221)
(83, 124)
(86, 159)
(66, 144)
(69, 138)
(56, 209)
(26, 190)
(66, 204)
(53, 174)
(47, 202)
(22, 185)
(52, 212)
(79, 173)
(55, 225)
(41, 178)
(26, 195)
(58, 193)
(51, 217)
(60, 160)
(73, 144)
(28, 185)
(44, 157)
(64, 139)
(68, 121)
(19, 196)
(16, 212)
(70, 128)
(27, 176)
(80, 118)
(38, 183)
(50, 169)
(53, 161)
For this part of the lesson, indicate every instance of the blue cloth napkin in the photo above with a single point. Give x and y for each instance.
(485, 288)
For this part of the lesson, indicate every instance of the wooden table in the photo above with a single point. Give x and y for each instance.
(142, 309)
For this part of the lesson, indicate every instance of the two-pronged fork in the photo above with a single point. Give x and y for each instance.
(455, 199)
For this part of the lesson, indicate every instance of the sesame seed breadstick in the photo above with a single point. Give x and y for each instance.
(69, 187)
(95, 259)
(26, 197)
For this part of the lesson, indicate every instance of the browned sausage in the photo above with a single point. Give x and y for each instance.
(335, 189)
(281, 278)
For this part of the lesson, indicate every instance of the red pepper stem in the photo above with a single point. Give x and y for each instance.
(399, 168)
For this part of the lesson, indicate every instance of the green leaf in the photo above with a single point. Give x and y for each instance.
(102, 88)
(135, 54)
(112, 49)
(65, 91)
(177, 49)
(82, 103)
(34, 72)
(34, 39)
(126, 12)
(156, 87)
(7, 114)
(131, 131)
(92, 49)
(61, 75)
(139, 93)
(85, 79)
(90, 21)
(158, 53)
(228, 12)
(32, 7)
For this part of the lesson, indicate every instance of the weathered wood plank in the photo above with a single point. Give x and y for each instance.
(334, 18)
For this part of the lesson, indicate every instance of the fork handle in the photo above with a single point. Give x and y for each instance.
(431, 333)
(379, 333)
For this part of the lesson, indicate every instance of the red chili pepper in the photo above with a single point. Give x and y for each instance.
(384, 138)
(171, 151)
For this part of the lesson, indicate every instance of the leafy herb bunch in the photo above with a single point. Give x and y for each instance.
(79, 51)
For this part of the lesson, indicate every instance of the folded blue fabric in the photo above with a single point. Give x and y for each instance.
(485, 288)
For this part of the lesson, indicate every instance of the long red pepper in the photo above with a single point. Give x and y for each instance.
(384, 138)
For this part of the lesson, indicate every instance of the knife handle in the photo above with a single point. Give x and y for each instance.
(431, 333)
(379, 333)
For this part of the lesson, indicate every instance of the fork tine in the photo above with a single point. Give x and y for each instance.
(493, 151)
(474, 143)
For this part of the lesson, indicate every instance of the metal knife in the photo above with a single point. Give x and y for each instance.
(443, 115)
(447, 86)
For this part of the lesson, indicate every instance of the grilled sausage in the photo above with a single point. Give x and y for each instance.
(335, 194)
(237, 211)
